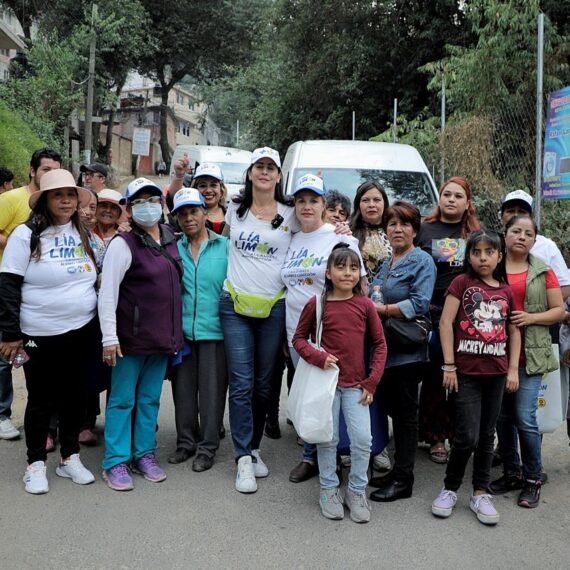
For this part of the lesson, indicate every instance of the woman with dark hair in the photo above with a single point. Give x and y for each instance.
(443, 235)
(370, 204)
(406, 280)
(538, 304)
(47, 310)
(260, 222)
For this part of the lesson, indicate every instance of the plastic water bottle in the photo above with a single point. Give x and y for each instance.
(377, 296)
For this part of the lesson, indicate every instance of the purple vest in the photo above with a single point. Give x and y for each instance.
(149, 311)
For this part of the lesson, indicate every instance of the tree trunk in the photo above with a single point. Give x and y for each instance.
(106, 147)
(164, 146)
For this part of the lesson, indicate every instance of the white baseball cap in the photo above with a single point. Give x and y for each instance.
(310, 182)
(187, 197)
(266, 152)
(209, 169)
(138, 185)
(518, 196)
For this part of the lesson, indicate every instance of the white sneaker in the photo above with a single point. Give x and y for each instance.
(35, 478)
(75, 470)
(259, 469)
(7, 429)
(381, 462)
(245, 478)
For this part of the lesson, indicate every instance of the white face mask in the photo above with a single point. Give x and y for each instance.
(147, 215)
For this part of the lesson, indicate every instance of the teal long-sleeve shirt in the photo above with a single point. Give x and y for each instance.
(201, 286)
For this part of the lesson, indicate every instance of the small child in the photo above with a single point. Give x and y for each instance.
(481, 354)
(348, 317)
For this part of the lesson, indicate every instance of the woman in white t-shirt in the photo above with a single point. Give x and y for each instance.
(47, 309)
(260, 223)
(303, 274)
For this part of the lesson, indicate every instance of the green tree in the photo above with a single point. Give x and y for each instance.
(317, 61)
(42, 94)
(123, 37)
(17, 143)
(197, 39)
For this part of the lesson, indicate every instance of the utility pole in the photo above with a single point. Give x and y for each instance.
(443, 130)
(395, 123)
(90, 89)
(538, 158)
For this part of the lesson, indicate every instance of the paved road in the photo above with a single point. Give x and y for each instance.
(197, 520)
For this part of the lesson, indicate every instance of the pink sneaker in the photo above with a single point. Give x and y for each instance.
(149, 468)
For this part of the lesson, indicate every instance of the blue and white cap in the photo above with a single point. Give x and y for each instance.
(265, 152)
(138, 185)
(310, 182)
(187, 197)
(209, 169)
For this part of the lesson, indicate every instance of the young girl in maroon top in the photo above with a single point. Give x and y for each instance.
(481, 349)
(348, 318)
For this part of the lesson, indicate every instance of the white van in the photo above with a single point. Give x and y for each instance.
(345, 165)
(233, 162)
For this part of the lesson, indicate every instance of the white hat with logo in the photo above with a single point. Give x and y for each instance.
(187, 197)
(265, 152)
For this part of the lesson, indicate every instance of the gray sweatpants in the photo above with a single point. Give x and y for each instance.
(199, 387)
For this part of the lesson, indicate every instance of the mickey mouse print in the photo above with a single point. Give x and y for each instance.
(481, 325)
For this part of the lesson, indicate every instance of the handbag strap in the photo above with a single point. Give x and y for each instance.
(319, 324)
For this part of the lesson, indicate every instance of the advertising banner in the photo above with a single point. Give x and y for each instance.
(556, 164)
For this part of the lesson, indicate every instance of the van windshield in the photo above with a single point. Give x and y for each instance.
(234, 172)
(413, 187)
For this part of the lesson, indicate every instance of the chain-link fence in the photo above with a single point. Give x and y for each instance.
(496, 152)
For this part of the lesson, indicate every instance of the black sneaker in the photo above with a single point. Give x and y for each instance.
(530, 494)
(506, 483)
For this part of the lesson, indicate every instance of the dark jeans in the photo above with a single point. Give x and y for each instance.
(6, 389)
(55, 379)
(252, 346)
(398, 393)
(199, 392)
(477, 407)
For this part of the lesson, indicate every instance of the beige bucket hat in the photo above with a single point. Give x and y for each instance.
(55, 180)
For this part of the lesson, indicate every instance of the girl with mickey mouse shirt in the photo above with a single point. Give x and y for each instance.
(481, 348)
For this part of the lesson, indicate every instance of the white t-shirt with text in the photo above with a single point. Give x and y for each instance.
(303, 272)
(58, 292)
(257, 251)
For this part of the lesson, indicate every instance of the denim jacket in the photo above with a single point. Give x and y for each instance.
(409, 284)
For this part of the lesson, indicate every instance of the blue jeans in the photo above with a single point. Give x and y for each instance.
(6, 389)
(136, 385)
(251, 351)
(518, 422)
(357, 419)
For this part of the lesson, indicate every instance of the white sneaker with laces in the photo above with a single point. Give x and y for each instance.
(7, 429)
(259, 469)
(73, 469)
(381, 462)
(35, 478)
(245, 478)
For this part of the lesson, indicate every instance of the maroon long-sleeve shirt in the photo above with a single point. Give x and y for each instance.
(345, 325)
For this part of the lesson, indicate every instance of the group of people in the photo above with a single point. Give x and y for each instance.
(100, 291)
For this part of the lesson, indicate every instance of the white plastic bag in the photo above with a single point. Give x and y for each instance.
(311, 396)
(553, 398)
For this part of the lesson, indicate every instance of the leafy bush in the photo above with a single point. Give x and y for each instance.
(17, 143)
